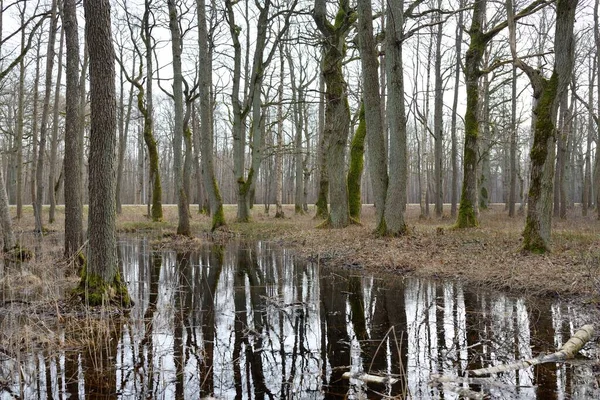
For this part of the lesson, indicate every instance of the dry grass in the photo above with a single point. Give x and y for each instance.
(489, 256)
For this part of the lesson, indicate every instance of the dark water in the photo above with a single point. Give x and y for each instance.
(248, 321)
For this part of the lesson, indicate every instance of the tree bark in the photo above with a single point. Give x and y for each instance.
(322, 203)
(54, 136)
(183, 226)
(376, 143)
(467, 213)
(355, 171)
(337, 110)
(207, 136)
(394, 223)
(39, 172)
(454, 145)
(279, 146)
(20, 117)
(73, 145)
(512, 192)
(9, 240)
(438, 115)
(547, 95)
(101, 280)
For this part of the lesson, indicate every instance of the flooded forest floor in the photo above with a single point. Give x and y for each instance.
(488, 257)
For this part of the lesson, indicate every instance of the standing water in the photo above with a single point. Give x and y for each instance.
(245, 321)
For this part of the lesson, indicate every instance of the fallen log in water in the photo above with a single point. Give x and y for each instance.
(369, 378)
(567, 351)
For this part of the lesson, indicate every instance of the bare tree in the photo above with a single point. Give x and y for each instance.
(467, 213)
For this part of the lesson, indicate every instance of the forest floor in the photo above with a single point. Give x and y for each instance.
(489, 256)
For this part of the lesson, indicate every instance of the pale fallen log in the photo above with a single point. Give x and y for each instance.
(567, 351)
(369, 378)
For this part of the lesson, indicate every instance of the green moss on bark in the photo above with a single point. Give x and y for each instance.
(357, 150)
(95, 291)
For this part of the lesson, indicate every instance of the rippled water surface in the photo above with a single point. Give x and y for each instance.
(248, 321)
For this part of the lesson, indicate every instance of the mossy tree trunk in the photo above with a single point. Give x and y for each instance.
(467, 212)
(73, 144)
(207, 134)
(145, 105)
(101, 281)
(355, 171)
(337, 110)
(323, 185)
(547, 94)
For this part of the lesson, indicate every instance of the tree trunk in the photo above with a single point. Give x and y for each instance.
(597, 163)
(35, 125)
(394, 223)
(20, 118)
(206, 123)
(39, 173)
(467, 213)
(485, 145)
(438, 115)
(454, 144)
(587, 180)
(124, 120)
(547, 94)
(322, 203)
(279, 146)
(54, 137)
(512, 192)
(376, 143)
(73, 145)
(337, 111)
(101, 280)
(9, 241)
(355, 171)
(183, 226)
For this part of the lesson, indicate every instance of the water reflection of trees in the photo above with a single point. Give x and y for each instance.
(249, 321)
